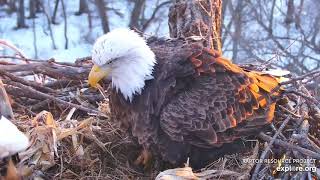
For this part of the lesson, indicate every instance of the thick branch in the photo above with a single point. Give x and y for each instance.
(197, 18)
(50, 69)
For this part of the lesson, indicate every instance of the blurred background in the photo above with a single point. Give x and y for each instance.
(284, 32)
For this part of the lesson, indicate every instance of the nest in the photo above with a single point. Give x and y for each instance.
(72, 136)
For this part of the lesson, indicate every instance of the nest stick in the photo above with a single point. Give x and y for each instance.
(28, 83)
(264, 153)
(287, 145)
(65, 103)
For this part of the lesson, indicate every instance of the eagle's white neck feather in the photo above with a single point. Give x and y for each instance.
(132, 60)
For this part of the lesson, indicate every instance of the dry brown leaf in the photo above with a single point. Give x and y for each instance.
(44, 117)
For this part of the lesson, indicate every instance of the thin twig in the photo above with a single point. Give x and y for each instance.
(305, 96)
(287, 145)
(267, 149)
(65, 25)
(68, 104)
(310, 74)
(49, 25)
(13, 47)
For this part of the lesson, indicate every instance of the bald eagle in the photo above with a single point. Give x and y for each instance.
(178, 98)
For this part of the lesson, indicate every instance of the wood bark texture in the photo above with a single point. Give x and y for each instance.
(191, 18)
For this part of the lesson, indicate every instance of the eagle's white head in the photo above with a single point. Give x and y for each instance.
(124, 56)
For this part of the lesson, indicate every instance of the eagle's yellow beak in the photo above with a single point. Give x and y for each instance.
(96, 74)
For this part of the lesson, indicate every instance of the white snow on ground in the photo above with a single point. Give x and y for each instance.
(79, 42)
(80, 37)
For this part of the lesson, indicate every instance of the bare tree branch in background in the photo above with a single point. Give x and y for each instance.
(20, 16)
(34, 38)
(290, 13)
(83, 7)
(38, 6)
(138, 18)
(136, 14)
(65, 25)
(53, 18)
(147, 22)
(3, 2)
(252, 30)
(49, 26)
(12, 6)
(288, 31)
(32, 9)
(298, 14)
(237, 30)
(102, 10)
(89, 19)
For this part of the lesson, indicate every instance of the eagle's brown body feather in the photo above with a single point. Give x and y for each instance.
(196, 100)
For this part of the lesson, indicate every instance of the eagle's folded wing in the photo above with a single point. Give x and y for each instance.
(225, 103)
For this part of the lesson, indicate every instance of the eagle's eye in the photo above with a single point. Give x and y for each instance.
(112, 60)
